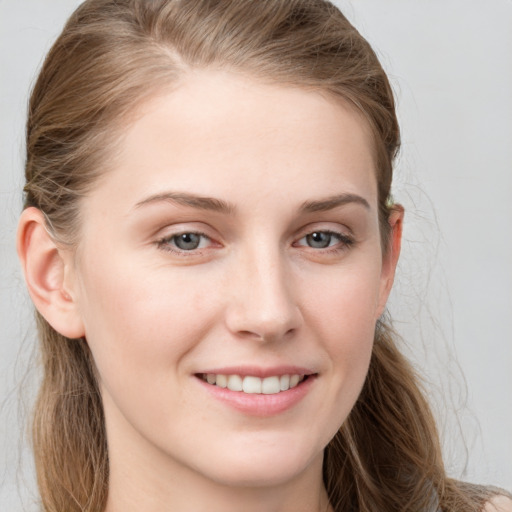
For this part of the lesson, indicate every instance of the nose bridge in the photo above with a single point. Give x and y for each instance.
(263, 303)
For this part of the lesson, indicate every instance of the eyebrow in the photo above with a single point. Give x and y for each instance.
(329, 203)
(194, 201)
(221, 206)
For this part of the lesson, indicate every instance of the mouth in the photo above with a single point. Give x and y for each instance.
(256, 391)
(250, 384)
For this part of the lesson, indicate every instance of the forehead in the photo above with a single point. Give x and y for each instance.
(223, 134)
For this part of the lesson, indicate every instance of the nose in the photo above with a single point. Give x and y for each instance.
(262, 303)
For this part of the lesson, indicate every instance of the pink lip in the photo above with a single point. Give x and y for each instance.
(259, 404)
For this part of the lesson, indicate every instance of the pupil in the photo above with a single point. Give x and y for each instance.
(319, 240)
(188, 241)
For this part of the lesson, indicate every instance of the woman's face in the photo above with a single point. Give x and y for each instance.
(235, 242)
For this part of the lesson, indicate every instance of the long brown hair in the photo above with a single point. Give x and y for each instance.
(110, 57)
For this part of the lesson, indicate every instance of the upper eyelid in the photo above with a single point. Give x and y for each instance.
(170, 236)
(343, 238)
(170, 230)
(344, 231)
(200, 228)
(328, 231)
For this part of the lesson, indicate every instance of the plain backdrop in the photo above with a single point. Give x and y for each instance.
(450, 64)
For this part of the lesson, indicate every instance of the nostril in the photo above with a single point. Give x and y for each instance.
(264, 311)
(266, 335)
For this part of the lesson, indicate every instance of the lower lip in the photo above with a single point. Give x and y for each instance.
(255, 404)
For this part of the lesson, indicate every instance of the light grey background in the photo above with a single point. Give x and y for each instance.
(450, 63)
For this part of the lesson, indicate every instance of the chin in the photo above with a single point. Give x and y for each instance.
(251, 475)
(263, 466)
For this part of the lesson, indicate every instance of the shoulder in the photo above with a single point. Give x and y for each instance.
(498, 504)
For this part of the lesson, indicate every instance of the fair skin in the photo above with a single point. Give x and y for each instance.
(279, 272)
(499, 504)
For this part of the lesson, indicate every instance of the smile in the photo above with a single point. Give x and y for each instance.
(254, 385)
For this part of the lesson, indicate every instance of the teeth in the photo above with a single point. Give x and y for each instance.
(235, 383)
(270, 386)
(254, 385)
(284, 382)
(294, 380)
(221, 381)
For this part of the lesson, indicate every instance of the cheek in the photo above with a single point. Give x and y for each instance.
(140, 323)
(343, 316)
(345, 302)
(141, 326)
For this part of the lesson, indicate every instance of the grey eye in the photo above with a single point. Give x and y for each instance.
(187, 241)
(319, 239)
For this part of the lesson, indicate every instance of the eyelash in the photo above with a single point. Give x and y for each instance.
(344, 242)
(165, 243)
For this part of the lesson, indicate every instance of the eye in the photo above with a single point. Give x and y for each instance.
(324, 240)
(319, 239)
(186, 242)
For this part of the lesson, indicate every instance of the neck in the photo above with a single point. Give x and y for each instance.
(181, 495)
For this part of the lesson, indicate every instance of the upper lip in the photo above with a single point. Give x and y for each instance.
(259, 371)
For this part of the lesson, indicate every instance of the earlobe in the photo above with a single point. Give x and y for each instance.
(45, 267)
(391, 255)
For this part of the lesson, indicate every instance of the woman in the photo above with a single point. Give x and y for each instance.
(209, 241)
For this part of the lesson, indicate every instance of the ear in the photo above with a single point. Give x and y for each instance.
(390, 256)
(48, 271)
